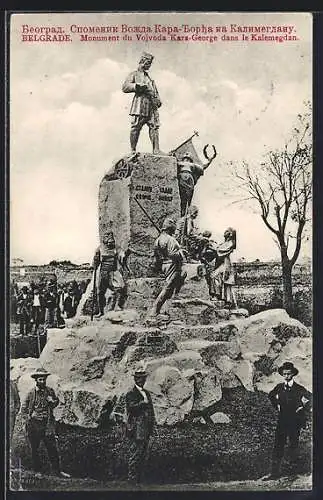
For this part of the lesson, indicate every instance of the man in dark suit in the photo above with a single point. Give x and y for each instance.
(24, 304)
(37, 410)
(140, 424)
(292, 401)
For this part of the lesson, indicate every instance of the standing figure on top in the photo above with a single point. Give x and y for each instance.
(145, 104)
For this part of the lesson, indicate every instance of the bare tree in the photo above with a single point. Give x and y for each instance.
(282, 189)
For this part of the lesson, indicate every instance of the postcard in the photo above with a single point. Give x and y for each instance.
(160, 251)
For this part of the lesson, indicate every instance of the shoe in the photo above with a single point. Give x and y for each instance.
(62, 474)
(271, 476)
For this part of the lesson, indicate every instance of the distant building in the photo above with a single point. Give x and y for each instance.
(16, 261)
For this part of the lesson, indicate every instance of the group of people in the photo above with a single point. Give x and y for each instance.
(291, 401)
(179, 242)
(182, 242)
(44, 304)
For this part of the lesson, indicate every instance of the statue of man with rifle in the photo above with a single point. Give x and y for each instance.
(105, 260)
(145, 104)
(171, 257)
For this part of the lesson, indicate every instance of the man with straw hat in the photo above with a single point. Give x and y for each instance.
(37, 410)
(140, 424)
(292, 401)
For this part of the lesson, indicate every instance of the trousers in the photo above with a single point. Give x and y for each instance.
(24, 323)
(36, 432)
(284, 432)
(137, 454)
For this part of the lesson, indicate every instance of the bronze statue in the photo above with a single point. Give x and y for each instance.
(171, 256)
(188, 173)
(105, 259)
(221, 273)
(145, 104)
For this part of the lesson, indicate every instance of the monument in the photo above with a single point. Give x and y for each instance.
(141, 190)
(135, 197)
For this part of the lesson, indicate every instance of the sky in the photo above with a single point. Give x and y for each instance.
(69, 121)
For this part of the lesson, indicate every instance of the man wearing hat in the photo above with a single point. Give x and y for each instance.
(140, 424)
(292, 401)
(51, 305)
(37, 410)
(24, 305)
(145, 104)
(170, 255)
(188, 173)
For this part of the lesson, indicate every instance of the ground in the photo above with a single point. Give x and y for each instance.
(48, 483)
(187, 456)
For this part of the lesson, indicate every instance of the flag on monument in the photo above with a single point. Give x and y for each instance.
(187, 147)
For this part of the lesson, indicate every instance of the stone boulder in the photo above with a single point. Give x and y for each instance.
(207, 389)
(172, 394)
(21, 366)
(259, 332)
(188, 367)
(220, 418)
(151, 343)
(297, 351)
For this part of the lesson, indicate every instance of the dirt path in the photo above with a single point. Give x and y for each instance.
(28, 481)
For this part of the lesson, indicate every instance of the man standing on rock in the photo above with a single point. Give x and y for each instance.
(140, 425)
(145, 104)
(292, 402)
(171, 257)
(37, 410)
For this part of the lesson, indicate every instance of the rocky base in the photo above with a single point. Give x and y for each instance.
(188, 365)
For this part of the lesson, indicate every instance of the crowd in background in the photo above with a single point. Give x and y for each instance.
(44, 304)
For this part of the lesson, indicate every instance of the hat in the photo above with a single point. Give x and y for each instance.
(168, 223)
(39, 372)
(140, 372)
(287, 366)
(145, 56)
(187, 155)
(206, 234)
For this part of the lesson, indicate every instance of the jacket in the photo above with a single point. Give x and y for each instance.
(140, 415)
(24, 303)
(14, 399)
(292, 405)
(27, 409)
(142, 103)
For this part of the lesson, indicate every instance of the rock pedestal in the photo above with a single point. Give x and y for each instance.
(149, 181)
